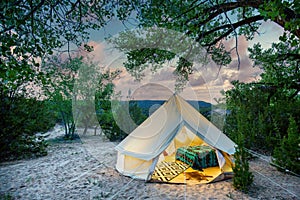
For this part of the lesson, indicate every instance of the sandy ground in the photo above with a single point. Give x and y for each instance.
(85, 170)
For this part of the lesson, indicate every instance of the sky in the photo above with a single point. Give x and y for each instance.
(205, 84)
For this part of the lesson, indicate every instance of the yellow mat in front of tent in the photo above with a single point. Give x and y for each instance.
(182, 173)
(194, 177)
(179, 172)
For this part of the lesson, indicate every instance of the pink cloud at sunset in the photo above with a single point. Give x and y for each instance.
(206, 82)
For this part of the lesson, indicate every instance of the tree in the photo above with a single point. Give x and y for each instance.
(90, 78)
(76, 87)
(33, 30)
(280, 83)
(128, 115)
(103, 100)
(119, 118)
(287, 153)
(20, 121)
(243, 178)
(271, 104)
(60, 90)
(281, 65)
(30, 30)
(106, 107)
(249, 102)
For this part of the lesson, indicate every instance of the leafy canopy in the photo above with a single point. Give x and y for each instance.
(32, 29)
(210, 23)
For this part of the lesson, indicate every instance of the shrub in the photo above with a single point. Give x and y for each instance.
(287, 154)
(267, 118)
(243, 178)
(63, 110)
(21, 119)
(118, 123)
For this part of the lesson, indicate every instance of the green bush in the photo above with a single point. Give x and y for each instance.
(21, 119)
(117, 124)
(5, 197)
(287, 154)
(64, 115)
(266, 118)
(243, 178)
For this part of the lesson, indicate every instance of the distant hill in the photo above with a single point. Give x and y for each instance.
(149, 106)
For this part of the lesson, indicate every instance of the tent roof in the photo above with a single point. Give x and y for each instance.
(154, 135)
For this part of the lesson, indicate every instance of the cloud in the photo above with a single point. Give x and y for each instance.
(98, 52)
(246, 72)
(242, 47)
(165, 74)
(204, 84)
(149, 84)
(267, 34)
(197, 81)
(152, 91)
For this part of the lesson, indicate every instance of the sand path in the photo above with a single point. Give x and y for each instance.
(85, 170)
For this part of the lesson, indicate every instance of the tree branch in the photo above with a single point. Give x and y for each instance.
(189, 10)
(292, 56)
(216, 10)
(26, 17)
(231, 28)
(236, 40)
(282, 23)
(224, 7)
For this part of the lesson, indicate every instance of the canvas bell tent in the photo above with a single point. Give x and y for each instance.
(176, 144)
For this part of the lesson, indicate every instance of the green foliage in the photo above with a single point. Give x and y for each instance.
(209, 23)
(21, 119)
(6, 197)
(76, 86)
(107, 122)
(60, 90)
(118, 119)
(64, 109)
(92, 85)
(34, 29)
(151, 48)
(243, 178)
(266, 114)
(127, 116)
(268, 110)
(247, 103)
(282, 12)
(136, 114)
(269, 102)
(287, 153)
(29, 31)
(103, 106)
(280, 65)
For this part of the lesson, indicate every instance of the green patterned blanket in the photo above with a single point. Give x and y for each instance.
(198, 157)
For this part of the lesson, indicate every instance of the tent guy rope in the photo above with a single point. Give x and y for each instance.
(260, 156)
